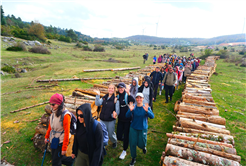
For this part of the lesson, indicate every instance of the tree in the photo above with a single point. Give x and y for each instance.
(208, 52)
(3, 21)
(38, 30)
(72, 34)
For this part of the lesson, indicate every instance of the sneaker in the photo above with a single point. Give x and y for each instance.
(144, 150)
(123, 155)
(170, 99)
(114, 145)
(166, 102)
(133, 162)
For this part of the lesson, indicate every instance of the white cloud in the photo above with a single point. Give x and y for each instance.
(126, 18)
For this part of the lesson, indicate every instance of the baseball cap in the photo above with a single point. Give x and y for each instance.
(121, 85)
(139, 94)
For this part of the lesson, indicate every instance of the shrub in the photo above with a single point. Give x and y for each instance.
(79, 45)
(17, 47)
(208, 52)
(223, 54)
(49, 42)
(99, 48)
(86, 48)
(119, 47)
(39, 49)
(8, 69)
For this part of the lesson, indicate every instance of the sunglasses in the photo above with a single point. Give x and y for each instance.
(80, 115)
(52, 104)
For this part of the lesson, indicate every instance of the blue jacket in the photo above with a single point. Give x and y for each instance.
(157, 77)
(140, 117)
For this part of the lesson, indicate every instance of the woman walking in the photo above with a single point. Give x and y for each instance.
(58, 132)
(108, 113)
(139, 126)
(88, 144)
(187, 70)
(148, 93)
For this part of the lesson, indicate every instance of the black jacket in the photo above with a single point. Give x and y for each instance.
(108, 106)
(94, 140)
(151, 93)
(157, 77)
(124, 106)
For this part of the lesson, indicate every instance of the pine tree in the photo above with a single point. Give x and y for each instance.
(3, 20)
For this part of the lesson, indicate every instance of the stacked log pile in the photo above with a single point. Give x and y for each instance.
(200, 136)
(82, 96)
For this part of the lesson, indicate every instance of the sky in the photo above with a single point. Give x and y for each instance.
(106, 19)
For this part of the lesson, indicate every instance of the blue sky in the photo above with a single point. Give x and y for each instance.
(126, 18)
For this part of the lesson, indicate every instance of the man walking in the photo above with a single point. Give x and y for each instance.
(156, 80)
(169, 82)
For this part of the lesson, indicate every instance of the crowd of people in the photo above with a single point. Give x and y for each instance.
(133, 106)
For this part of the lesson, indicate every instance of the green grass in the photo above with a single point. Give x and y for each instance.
(68, 61)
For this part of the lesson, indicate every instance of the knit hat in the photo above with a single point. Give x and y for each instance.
(56, 99)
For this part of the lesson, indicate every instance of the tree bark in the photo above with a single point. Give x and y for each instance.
(38, 142)
(88, 92)
(29, 107)
(45, 119)
(48, 109)
(73, 79)
(41, 129)
(198, 140)
(194, 125)
(197, 110)
(100, 86)
(201, 157)
(172, 161)
(198, 102)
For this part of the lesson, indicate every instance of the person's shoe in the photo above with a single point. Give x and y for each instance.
(154, 100)
(114, 145)
(123, 155)
(170, 99)
(144, 150)
(133, 162)
(166, 102)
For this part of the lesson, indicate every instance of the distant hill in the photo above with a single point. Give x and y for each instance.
(187, 41)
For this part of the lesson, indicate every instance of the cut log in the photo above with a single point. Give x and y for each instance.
(202, 103)
(190, 130)
(198, 105)
(116, 69)
(176, 106)
(192, 97)
(197, 94)
(201, 122)
(204, 145)
(48, 109)
(29, 107)
(88, 92)
(100, 86)
(38, 142)
(202, 117)
(197, 110)
(83, 95)
(41, 129)
(45, 119)
(198, 140)
(194, 125)
(201, 157)
(130, 68)
(172, 161)
(74, 79)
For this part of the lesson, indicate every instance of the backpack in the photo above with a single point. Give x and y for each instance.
(73, 121)
(166, 77)
(126, 98)
(104, 129)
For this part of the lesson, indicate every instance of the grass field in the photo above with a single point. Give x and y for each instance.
(68, 61)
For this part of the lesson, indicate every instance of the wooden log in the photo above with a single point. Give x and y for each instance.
(84, 95)
(171, 161)
(41, 129)
(116, 69)
(38, 142)
(197, 110)
(88, 92)
(207, 150)
(190, 130)
(197, 94)
(48, 109)
(43, 86)
(129, 68)
(201, 157)
(202, 117)
(74, 79)
(169, 135)
(213, 137)
(29, 107)
(198, 105)
(202, 103)
(205, 145)
(45, 119)
(100, 86)
(202, 122)
(194, 125)
(176, 106)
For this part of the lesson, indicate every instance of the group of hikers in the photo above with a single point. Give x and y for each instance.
(133, 106)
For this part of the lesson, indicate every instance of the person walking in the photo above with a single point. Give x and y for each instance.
(154, 60)
(187, 70)
(124, 123)
(147, 90)
(134, 87)
(169, 82)
(156, 80)
(88, 144)
(139, 126)
(108, 112)
(159, 59)
(163, 72)
(58, 132)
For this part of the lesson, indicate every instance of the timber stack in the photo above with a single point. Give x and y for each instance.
(81, 96)
(200, 136)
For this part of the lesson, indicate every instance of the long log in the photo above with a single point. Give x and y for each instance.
(88, 92)
(74, 79)
(45, 118)
(171, 161)
(194, 125)
(200, 98)
(198, 140)
(197, 94)
(207, 150)
(197, 110)
(199, 105)
(129, 68)
(205, 145)
(29, 107)
(202, 122)
(116, 69)
(201, 157)
(202, 103)
(203, 117)
(191, 130)
(100, 86)
(83, 95)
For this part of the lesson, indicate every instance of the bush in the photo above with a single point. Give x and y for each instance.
(79, 45)
(8, 69)
(17, 47)
(223, 54)
(39, 49)
(49, 42)
(208, 52)
(86, 48)
(99, 48)
(119, 47)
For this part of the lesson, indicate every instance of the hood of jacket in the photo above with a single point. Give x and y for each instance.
(86, 109)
